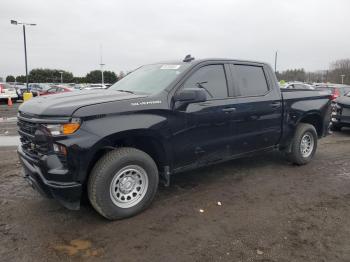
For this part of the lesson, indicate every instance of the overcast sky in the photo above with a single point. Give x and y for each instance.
(307, 34)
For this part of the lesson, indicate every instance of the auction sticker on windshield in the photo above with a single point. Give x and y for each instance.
(170, 67)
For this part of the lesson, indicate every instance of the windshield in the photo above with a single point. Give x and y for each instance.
(150, 79)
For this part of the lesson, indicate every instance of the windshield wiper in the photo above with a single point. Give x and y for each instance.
(126, 91)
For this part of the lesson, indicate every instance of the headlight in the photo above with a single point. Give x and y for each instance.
(64, 129)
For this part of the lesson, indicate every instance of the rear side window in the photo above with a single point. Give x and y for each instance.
(251, 80)
(211, 78)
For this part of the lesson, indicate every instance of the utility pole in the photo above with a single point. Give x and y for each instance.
(276, 61)
(101, 64)
(15, 22)
(61, 77)
(342, 79)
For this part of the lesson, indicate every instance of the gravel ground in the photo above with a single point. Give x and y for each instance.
(253, 209)
(8, 111)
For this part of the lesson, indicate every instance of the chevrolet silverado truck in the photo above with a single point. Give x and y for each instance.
(116, 146)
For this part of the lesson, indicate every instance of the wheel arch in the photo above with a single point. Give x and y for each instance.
(315, 120)
(148, 141)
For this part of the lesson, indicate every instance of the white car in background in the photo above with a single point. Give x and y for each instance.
(7, 91)
(95, 86)
(298, 85)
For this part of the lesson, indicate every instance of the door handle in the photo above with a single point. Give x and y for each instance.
(275, 104)
(229, 109)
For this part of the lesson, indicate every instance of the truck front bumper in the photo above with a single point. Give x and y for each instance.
(36, 173)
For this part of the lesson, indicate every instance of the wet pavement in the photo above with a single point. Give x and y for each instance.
(8, 120)
(6, 141)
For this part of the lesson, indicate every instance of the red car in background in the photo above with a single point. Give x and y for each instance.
(56, 90)
(336, 90)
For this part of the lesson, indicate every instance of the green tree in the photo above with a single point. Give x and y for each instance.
(40, 75)
(292, 75)
(95, 76)
(110, 77)
(79, 79)
(21, 79)
(10, 78)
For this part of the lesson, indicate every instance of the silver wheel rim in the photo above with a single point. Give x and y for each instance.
(129, 186)
(307, 144)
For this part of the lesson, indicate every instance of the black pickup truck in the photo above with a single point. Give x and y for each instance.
(115, 146)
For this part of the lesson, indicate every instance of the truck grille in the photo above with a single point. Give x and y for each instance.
(31, 147)
(27, 128)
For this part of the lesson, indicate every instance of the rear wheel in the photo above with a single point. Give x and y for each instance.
(304, 144)
(123, 183)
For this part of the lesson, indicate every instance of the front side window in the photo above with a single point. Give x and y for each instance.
(52, 90)
(211, 78)
(251, 80)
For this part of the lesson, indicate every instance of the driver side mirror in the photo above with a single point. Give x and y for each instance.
(191, 95)
(188, 96)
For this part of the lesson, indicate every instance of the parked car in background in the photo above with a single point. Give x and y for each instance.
(57, 90)
(7, 91)
(95, 86)
(298, 85)
(341, 113)
(20, 89)
(38, 88)
(335, 90)
(79, 86)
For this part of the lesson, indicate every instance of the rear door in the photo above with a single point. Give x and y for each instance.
(258, 117)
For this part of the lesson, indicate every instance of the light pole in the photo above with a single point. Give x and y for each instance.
(342, 79)
(61, 77)
(276, 61)
(15, 22)
(103, 81)
(101, 64)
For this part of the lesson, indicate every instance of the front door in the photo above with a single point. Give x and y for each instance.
(201, 132)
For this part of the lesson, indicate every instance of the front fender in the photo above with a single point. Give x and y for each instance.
(104, 133)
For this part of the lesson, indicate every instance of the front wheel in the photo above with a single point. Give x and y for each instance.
(123, 183)
(304, 144)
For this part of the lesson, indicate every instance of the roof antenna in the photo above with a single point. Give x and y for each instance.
(188, 58)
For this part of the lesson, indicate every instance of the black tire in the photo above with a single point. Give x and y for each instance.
(105, 172)
(335, 127)
(295, 155)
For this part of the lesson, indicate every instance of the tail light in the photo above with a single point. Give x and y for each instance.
(2, 88)
(335, 94)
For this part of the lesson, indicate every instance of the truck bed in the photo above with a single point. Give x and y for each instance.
(291, 94)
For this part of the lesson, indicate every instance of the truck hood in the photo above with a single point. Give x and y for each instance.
(66, 103)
